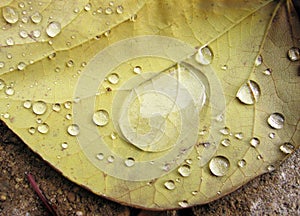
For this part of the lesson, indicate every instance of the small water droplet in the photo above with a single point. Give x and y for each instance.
(224, 67)
(108, 11)
(287, 148)
(239, 135)
(68, 104)
(137, 69)
(113, 136)
(258, 61)
(293, 54)
(110, 159)
(133, 18)
(194, 193)
(183, 204)
(101, 117)
(21, 66)
(10, 41)
(21, 5)
(225, 131)
(120, 9)
(88, 7)
(69, 116)
(70, 63)
(100, 156)
(242, 163)
(189, 161)
(27, 104)
(204, 55)
(31, 130)
(184, 170)
(73, 129)
(64, 145)
(24, 19)
(6, 115)
(56, 107)
(267, 72)
(36, 17)
(254, 142)
(270, 168)
(23, 34)
(113, 78)
(52, 56)
(53, 29)
(107, 33)
(43, 128)
(226, 142)
(219, 165)
(259, 157)
(276, 120)
(249, 92)
(129, 162)
(76, 10)
(39, 107)
(2, 84)
(10, 15)
(2, 64)
(9, 91)
(272, 135)
(36, 33)
(170, 185)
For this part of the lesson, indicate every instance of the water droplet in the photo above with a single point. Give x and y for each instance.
(76, 10)
(31, 130)
(224, 67)
(226, 142)
(110, 159)
(108, 11)
(184, 170)
(10, 15)
(267, 72)
(204, 55)
(113, 78)
(270, 168)
(293, 54)
(101, 117)
(219, 165)
(21, 66)
(52, 56)
(129, 162)
(56, 107)
(88, 7)
(39, 120)
(254, 142)
(21, 5)
(2, 64)
(100, 156)
(68, 104)
(23, 34)
(27, 104)
(36, 17)
(2, 84)
(239, 135)
(249, 92)
(287, 148)
(225, 131)
(36, 33)
(120, 9)
(183, 204)
(39, 107)
(194, 193)
(242, 163)
(137, 69)
(133, 18)
(113, 136)
(5, 115)
(73, 129)
(43, 128)
(57, 69)
(107, 33)
(69, 116)
(70, 63)
(10, 41)
(189, 161)
(259, 157)
(53, 29)
(272, 135)
(64, 145)
(170, 185)
(258, 61)
(9, 91)
(276, 120)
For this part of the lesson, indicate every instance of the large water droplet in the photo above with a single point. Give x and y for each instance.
(249, 92)
(219, 165)
(73, 129)
(204, 55)
(43, 128)
(113, 78)
(293, 54)
(170, 185)
(254, 142)
(129, 162)
(10, 15)
(101, 117)
(287, 148)
(184, 170)
(39, 107)
(53, 29)
(276, 120)
(36, 17)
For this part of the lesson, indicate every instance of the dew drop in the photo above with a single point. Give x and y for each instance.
(64, 145)
(204, 55)
(194, 193)
(239, 135)
(43, 128)
(293, 54)
(23, 34)
(113, 136)
(137, 69)
(39, 107)
(270, 168)
(267, 72)
(36, 17)
(88, 7)
(108, 11)
(69, 116)
(170, 185)
(2, 84)
(254, 142)
(10, 15)
(184, 170)
(287, 148)
(101, 117)
(219, 165)
(113, 78)
(5, 115)
(39, 120)
(56, 107)
(52, 56)
(36, 33)
(2, 64)
(100, 156)
(27, 104)
(129, 162)
(110, 159)
(53, 29)
(133, 18)
(258, 61)
(272, 135)
(226, 142)
(70, 63)
(225, 131)
(189, 161)
(21, 66)
(73, 129)
(68, 104)
(31, 130)
(9, 91)
(183, 204)
(249, 92)
(10, 41)
(120, 9)
(242, 163)
(276, 120)
(21, 5)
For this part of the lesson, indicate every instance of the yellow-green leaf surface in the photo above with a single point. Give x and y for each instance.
(154, 104)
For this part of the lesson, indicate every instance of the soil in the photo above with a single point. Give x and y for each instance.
(275, 193)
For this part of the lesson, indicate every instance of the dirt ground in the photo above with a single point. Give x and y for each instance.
(276, 193)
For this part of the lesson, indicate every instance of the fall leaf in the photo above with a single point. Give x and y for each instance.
(154, 104)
